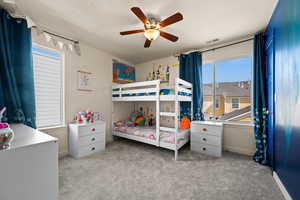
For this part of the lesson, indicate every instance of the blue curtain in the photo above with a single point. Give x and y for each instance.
(260, 101)
(16, 70)
(190, 69)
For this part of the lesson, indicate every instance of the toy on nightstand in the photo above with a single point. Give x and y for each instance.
(89, 116)
(84, 117)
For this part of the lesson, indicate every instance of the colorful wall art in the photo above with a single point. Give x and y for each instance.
(123, 73)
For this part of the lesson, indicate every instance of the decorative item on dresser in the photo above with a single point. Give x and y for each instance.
(207, 137)
(86, 139)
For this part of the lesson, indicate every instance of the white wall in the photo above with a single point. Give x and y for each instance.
(237, 138)
(91, 60)
(143, 69)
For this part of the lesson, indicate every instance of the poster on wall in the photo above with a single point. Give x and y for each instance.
(123, 73)
(85, 80)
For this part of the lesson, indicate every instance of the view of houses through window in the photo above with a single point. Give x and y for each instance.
(227, 90)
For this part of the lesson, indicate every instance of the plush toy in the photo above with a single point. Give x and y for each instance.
(151, 120)
(185, 123)
(140, 120)
(134, 115)
(89, 115)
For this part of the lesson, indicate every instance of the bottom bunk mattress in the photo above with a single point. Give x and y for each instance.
(150, 133)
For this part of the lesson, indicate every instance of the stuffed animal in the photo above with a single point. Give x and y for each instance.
(140, 120)
(185, 123)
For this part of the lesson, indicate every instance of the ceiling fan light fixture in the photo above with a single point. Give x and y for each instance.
(151, 34)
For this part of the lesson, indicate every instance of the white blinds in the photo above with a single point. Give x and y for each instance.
(48, 79)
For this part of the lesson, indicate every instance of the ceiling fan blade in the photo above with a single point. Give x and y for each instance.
(168, 36)
(171, 20)
(139, 13)
(147, 43)
(132, 32)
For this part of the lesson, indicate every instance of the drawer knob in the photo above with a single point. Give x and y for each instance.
(204, 129)
(204, 139)
(93, 148)
(93, 139)
(204, 149)
(93, 129)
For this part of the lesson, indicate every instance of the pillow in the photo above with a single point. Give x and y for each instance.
(119, 123)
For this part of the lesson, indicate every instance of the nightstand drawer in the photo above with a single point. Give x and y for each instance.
(207, 139)
(206, 149)
(88, 150)
(91, 129)
(207, 129)
(90, 139)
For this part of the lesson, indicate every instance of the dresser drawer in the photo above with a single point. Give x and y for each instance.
(207, 129)
(206, 149)
(91, 129)
(90, 139)
(207, 139)
(90, 149)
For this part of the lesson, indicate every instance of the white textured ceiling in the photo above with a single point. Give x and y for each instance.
(98, 22)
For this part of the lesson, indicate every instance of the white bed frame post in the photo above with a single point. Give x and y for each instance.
(176, 118)
(157, 113)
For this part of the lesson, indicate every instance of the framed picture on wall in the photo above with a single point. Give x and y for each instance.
(123, 73)
(85, 80)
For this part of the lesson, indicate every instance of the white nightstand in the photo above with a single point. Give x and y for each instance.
(85, 139)
(207, 137)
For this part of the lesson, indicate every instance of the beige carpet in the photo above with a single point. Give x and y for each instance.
(131, 170)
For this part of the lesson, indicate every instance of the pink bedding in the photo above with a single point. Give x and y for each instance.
(149, 132)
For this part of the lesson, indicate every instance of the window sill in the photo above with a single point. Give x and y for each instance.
(52, 127)
(250, 124)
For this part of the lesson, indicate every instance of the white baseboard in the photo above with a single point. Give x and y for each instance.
(281, 187)
(243, 151)
(62, 155)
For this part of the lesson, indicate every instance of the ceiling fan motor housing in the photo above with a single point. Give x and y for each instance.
(152, 24)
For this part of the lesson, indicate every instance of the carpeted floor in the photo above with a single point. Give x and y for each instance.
(129, 170)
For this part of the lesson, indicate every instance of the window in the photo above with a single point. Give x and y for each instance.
(235, 103)
(48, 80)
(227, 90)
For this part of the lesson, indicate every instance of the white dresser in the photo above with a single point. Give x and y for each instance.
(207, 137)
(29, 168)
(85, 139)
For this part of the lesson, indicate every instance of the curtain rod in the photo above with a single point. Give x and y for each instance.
(57, 35)
(219, 47)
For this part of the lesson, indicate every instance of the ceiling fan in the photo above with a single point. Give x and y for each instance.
(152, 28)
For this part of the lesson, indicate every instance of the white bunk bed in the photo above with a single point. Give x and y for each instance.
(165, 137)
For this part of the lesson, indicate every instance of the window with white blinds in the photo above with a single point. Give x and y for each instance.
(48, 80)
